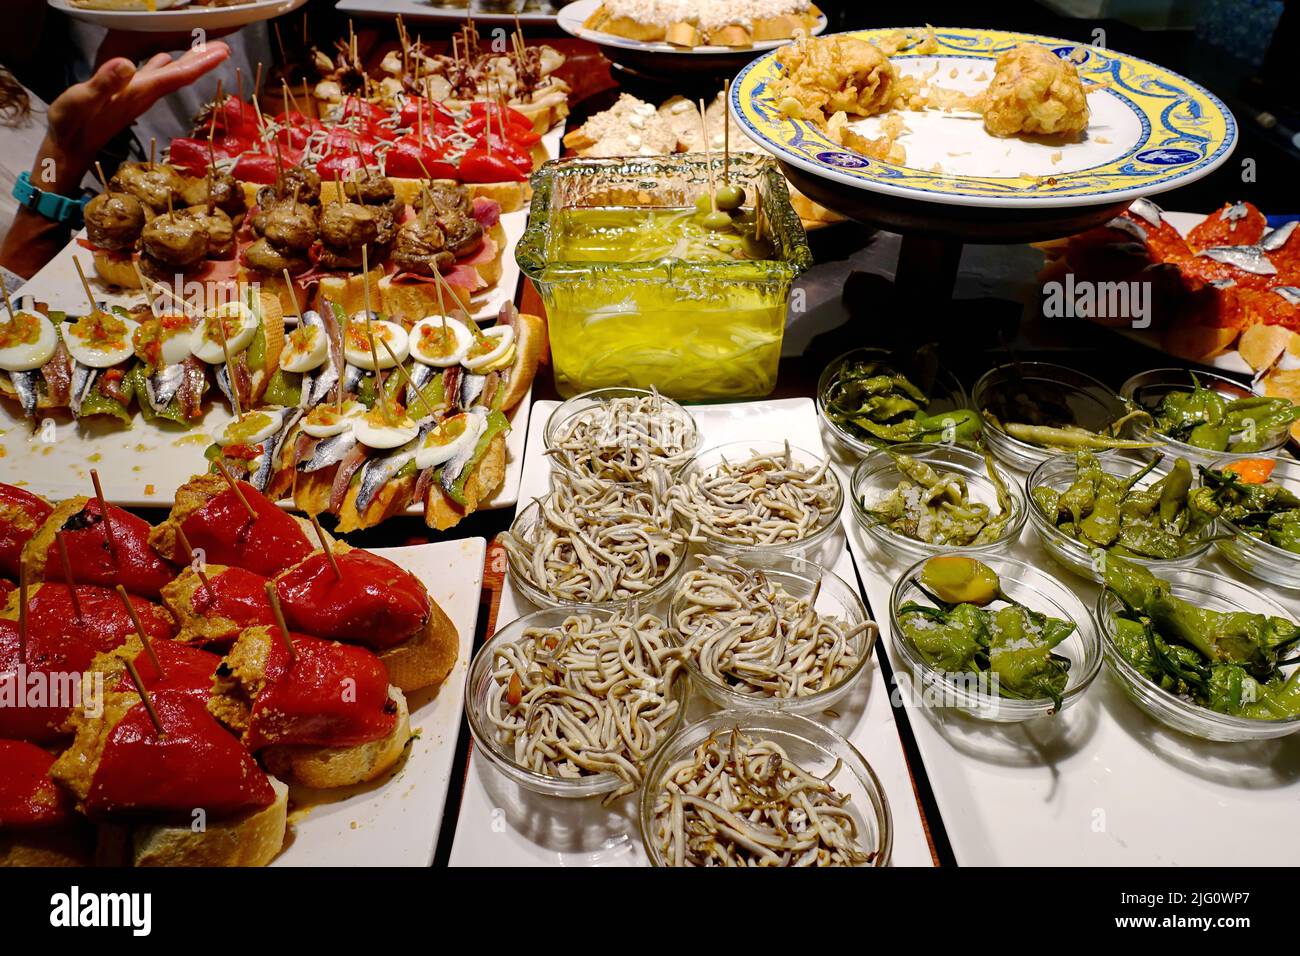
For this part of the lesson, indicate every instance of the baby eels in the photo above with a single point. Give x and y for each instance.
(621, 439)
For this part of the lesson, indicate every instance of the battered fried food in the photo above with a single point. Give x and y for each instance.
(1034, 91)
(822, 76)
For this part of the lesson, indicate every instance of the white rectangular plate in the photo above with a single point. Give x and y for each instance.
(502, 824)
(395, 821)
(1100, 784)
(142, 466)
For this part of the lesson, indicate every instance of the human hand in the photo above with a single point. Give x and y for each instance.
(86, 116)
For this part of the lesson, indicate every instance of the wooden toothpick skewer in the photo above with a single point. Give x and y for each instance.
(370, 333)
(281, 625)
(144, 698)
(85, 285)
(288, 284)
(139, 629)
(189, 556)
(67, 574)
(230, 367)
(325, 546)
(726, 133)
(103, 514)
(406, 376)
(99, 170)
(708, 163)
(8, 303)
(234, 486)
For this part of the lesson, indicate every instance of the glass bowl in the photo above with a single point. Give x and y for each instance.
(679, 427)
(522, 528)
(479, 681)
(1261, 559)
(876, 476)
(738, 451)
(695, 327)
(1058, 473)
(814, 747)
(1147, 389)
(1215, 592)
(1082, 399)
(798, 578)
(1038, 591)
(940, 386)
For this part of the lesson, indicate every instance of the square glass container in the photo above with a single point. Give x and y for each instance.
(694, 328)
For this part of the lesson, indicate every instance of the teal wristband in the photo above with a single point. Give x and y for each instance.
(52, 206)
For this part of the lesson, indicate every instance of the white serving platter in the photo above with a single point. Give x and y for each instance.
(448, 12)
(395, 821)
(185, 18)
(572, 17)
(1101, 784)
(142, 466)
(502, 824)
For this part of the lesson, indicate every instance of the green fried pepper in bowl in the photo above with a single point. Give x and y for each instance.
(1201, 653)
(921, 499)
(1034, 410)
(993, 637)
(1259, 501)
(1151, 511)
(1201, 415)
(869, 398)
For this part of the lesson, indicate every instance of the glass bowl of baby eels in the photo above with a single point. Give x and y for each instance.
(617, 434)
(594, 543)
(993, 637)
(920, 499)
(1202, 653)
(1202, 416)
(1034, 410)
(758, 497)
(740, 788)
(574, 703)
(870, 398)
(770, 632)
(1153, 511)
(1260, 502)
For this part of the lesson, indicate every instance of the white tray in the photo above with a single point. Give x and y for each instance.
(502, 824)
(61, 468)
(186, 18)
(1100, 784)
(443, 12)
(572, 18)
(395, 821)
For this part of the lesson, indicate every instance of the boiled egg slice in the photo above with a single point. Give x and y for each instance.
(240, 326)
(454, 436)
(356, 343)
(250, 428)
(440, 341)
(492, 350)
(326, 421)
(101, 339)
(375, 431)
(27, 341)
(164, 340)
(305, 348)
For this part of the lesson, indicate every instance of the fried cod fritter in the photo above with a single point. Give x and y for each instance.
(1036, 92)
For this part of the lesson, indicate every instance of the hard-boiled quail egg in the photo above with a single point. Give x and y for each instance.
(374, 430)
(164, 340)
(101, 339)
(440, 341)
(454, 436)
(492, 351)
(305, 348)
(356, 342)
(27, 341)
(239, 324)
(326, 421)
(251, 428)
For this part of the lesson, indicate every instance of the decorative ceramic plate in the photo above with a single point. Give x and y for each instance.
(1151, 130)
(572, 17)
(188, 17)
